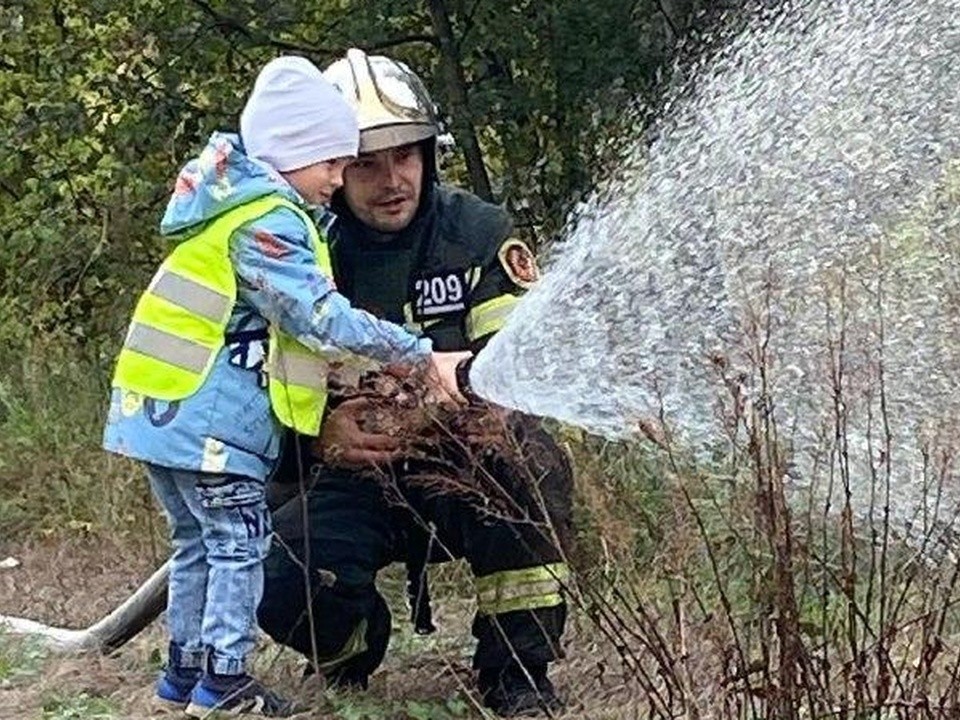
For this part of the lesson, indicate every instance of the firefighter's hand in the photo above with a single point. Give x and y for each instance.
(343, 443)
(442, 376)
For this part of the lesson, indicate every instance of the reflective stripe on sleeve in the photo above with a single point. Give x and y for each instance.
(191, 295)
(489, 316)
(167, 347)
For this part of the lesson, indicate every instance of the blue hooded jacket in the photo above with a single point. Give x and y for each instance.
(228, 426)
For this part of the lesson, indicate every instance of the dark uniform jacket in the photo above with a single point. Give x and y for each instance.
(441, 276)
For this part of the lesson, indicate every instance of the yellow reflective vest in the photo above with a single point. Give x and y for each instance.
(180, 321)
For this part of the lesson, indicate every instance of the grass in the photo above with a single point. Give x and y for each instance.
(358, 706)
(79, 707)
(54, 476)
(20, 660)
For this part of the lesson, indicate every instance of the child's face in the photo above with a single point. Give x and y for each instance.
(316, 183)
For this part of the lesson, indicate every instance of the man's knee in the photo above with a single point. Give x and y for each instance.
(363, 650)
(344, 625)
(334, 609)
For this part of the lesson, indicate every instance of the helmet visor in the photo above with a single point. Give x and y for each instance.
(390, 136)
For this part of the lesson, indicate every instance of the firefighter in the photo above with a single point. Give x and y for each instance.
(444, 264)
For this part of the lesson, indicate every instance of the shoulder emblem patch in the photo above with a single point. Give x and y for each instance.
(519, 263)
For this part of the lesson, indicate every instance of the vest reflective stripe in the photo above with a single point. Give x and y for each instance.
(295, 368)
(526, 589)
(179, 324)
(191, 295)
(171, 349)
(489, 316)
(298, 381)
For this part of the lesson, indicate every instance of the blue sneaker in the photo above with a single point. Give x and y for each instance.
(217, 695)
(174, 686)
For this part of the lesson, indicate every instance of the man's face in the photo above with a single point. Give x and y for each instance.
(383, 188)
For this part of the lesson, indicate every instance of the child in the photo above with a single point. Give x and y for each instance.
(227, 345)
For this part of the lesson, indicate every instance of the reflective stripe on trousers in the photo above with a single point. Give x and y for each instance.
(524, 589)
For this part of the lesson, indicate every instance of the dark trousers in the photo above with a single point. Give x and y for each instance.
(357, 525)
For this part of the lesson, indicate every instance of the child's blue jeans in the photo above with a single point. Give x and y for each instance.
(220, 530)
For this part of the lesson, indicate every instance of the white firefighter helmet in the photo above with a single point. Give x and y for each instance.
(392, 105)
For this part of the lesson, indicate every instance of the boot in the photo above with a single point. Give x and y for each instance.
(344, 677)
(508, 692)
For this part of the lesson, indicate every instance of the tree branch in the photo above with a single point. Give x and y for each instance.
(317, 52)
(666, 16)
(468, 23)
(428, 38)
(459, 104)
(332, 27)
(228, 25)
(224, 23)
(7, 188)
(60, 20)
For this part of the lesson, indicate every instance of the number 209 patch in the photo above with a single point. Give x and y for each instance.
(440, 294)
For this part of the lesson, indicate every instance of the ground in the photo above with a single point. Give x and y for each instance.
(75, 581)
